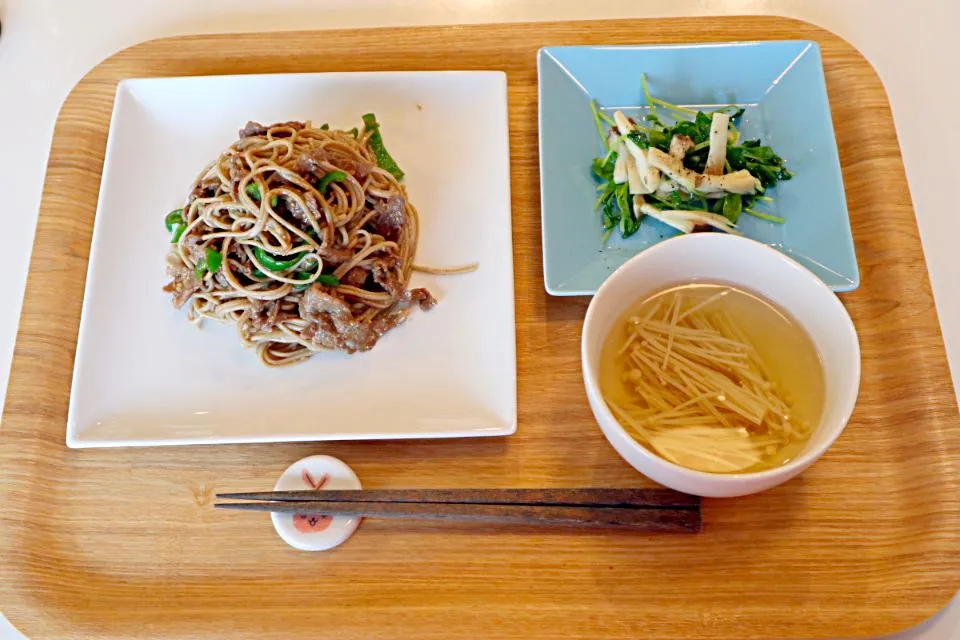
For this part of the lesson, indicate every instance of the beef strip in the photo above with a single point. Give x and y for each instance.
(401, 309)
(298, 214)
(206, 188)
(356, 277)
(254, 128)
(390, 218)
(359, 169)
(313, 206)
(251, 129)
(263, 314)
(322, 334)
(386, 273)
(333, 255)
(310, 163)
(221, 280)
(236, 267)
(260, 317)
(332, 323)
(421, 297)
(193, 245)
(183, 284)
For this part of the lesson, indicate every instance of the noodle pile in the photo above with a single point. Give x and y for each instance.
(303, 237)
(697, 392)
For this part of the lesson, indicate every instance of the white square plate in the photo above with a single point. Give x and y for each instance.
(145, 376)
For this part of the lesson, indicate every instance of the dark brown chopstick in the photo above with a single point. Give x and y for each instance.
(647, 509)
(655, 519)
(622, 498)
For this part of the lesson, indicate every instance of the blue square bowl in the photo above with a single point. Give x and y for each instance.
(780, 84)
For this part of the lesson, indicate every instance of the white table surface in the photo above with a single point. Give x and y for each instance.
(47, 45)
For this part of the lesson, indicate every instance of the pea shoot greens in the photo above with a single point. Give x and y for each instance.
(685, 167)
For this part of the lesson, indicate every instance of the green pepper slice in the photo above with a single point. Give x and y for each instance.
(175, 224)
(333, 176)
(325, 278)
(273, 263)
(384, 159)
(253, 190)
(173, 219)
(211, 262)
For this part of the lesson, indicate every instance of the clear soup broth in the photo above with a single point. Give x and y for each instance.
(713, 378)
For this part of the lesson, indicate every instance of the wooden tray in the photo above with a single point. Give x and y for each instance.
(124, 543)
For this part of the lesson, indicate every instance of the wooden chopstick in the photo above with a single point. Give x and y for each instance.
(637, 498)
(686, 520)
(647, 509)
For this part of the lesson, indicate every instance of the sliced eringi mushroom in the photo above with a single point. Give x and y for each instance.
(680, 146)
(667, 186)
(623, 123)
(649, 175)
(664, 216)
(686, 221)
(699, 218)
(741, 182)
(637, 185)
(620, 166)
(673, 167)
(717, 156)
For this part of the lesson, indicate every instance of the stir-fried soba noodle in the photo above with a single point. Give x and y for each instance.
(301, 236)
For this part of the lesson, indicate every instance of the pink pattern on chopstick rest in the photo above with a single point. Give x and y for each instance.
(312, 522)
(308, 480)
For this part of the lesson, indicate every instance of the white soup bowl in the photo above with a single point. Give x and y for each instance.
(746, 264)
